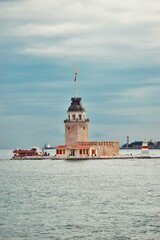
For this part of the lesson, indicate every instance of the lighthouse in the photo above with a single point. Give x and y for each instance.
(77, 144)
(76, 124)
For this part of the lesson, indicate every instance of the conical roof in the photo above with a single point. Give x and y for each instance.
(76, 105)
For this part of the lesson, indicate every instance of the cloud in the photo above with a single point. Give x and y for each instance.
(133, 106)
(142, 94)
(10, 1)
(17, 131)
(116, 45)
(107, 30)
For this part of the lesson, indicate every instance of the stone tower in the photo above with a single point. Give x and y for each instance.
(76, 124)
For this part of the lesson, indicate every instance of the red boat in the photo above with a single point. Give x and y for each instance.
(35, 151)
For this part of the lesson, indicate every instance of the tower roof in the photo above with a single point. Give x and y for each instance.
(76, 105)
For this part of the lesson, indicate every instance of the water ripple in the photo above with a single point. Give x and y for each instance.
(114, 200)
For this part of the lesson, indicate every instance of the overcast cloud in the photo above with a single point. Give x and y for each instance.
(116, 45)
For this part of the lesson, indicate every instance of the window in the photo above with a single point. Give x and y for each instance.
(73, 117)
(93, 151)
(80, 117)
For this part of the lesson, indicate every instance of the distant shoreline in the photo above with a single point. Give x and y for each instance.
(121, 148)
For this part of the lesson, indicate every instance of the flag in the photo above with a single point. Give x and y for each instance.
(76, 72)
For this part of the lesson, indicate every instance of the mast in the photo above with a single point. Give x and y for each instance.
(75, 80)
(127, 142)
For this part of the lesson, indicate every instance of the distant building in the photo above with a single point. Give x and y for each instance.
(138, 145)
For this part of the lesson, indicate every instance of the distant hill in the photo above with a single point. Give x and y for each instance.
(138, 144)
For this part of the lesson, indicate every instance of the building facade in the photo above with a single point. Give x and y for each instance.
(83, 151)
(76, 136)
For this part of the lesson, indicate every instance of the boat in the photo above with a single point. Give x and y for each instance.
(33, 152)
(47, 147)
(145, 149)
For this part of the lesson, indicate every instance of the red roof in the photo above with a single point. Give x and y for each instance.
(61, 147)
(74, 146)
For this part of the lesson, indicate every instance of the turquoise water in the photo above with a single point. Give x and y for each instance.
(100, 199)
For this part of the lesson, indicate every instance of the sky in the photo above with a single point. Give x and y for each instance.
(116, 45)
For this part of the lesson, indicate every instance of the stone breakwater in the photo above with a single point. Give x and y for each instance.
(85, 158)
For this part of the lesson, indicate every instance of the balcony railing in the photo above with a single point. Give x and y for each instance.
(76, 120)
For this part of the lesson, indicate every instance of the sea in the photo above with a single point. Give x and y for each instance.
(116, 199)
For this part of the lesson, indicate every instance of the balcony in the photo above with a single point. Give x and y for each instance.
(76, 120)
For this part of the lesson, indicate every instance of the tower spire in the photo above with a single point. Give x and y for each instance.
(75, 80)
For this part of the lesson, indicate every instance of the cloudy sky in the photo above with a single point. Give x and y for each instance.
(116, 45)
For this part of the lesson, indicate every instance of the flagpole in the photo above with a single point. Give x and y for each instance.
(75, 79)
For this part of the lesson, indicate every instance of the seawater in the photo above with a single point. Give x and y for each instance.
(99, 199)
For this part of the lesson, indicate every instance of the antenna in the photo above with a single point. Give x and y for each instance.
(127, 141)
(75, 80)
